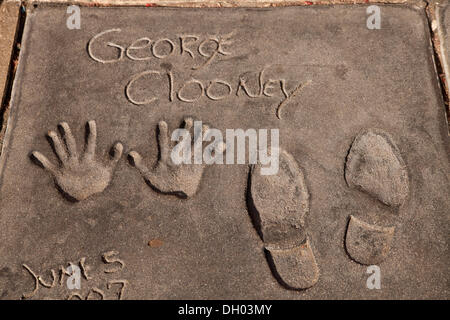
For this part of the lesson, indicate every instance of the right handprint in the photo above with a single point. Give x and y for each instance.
(168, 177)
(374, 166)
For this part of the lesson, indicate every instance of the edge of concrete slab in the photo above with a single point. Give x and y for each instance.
(441, 50)
(10, 15)
(218, 3)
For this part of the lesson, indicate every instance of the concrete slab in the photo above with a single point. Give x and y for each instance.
(363, 176)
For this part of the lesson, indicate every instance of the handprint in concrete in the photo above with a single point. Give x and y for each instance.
(166, 176)
(78, 176)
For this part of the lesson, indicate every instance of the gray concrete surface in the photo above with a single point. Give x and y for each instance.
(210, 231)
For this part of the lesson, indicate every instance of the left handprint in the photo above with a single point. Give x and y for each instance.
(78, 177)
